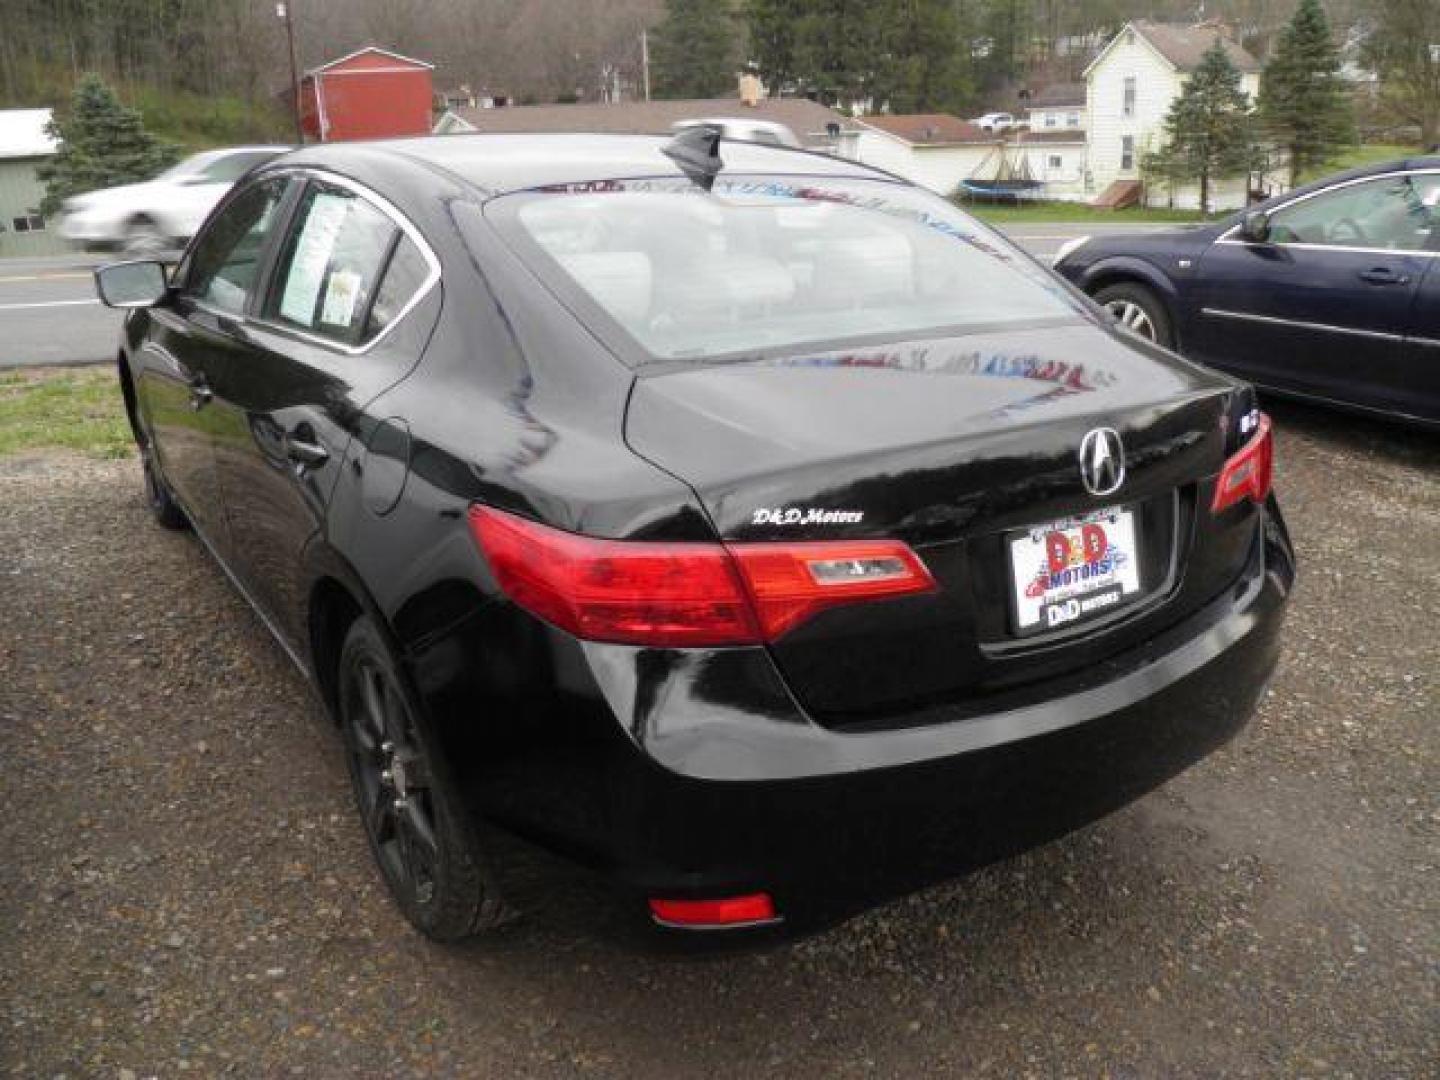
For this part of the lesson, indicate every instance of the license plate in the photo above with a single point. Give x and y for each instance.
(1072, 570)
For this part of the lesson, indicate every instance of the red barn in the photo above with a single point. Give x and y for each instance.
(369, 94)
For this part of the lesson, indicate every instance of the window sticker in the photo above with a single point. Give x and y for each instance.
(312, 257)
(341, 293)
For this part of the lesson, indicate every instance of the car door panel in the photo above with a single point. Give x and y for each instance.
(176, 359)
(1419, 394)
(302, 391)
(1323, 307)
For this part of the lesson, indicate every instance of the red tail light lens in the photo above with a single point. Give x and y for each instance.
(685, 595)
(614, 590)
(791, 582)
(730, 911)
(1248, 473)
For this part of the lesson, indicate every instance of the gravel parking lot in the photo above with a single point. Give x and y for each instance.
(187, 889)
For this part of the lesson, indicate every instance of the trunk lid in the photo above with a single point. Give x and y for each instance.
(953, 445)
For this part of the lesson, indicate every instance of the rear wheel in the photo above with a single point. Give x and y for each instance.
(419, 830)
(1138, 310)
(144, 237)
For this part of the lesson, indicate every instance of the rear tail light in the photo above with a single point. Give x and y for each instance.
(685, 595)
(1248, 473)
(703, 914)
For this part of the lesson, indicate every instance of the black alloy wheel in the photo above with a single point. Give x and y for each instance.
(418, 829)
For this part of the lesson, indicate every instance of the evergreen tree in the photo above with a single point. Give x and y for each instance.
(1404, 48)
(1209, 132)
(930, 71)
(102, 144)
(771, 26)
(1304, 106)
(695, 51)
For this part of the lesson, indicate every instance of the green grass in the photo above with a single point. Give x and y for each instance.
(63, 408)
(1063, 211)
(1368, 154)
(189, 120)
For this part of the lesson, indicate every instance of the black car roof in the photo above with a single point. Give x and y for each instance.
(499, 163)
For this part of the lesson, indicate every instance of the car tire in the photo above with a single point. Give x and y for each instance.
(419, 830)
(1139, 310)
(158, 498)
(144, 238)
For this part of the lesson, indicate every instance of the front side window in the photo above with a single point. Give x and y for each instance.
(225, 262)
(1128, 105)
(1127, 152)
(1398, 213)
(773, 263)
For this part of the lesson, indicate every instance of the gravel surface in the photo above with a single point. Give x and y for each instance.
(186, 889)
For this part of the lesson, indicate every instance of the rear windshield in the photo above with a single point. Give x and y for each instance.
(759, 265)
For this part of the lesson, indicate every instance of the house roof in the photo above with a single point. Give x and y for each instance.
(1058, 95)
(368, 51)
(1183, 46)
(23, 135)
(930, 129)
(804, 117)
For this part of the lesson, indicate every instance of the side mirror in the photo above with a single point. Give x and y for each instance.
(137, 284)
(1255, 226)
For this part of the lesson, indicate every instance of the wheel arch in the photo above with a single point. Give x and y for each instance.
(1132, 271)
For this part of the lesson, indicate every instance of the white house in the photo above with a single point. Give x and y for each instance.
(25, 144)
(1059, 158)
(937, 151)
(1058, 107)
(934, 150)
(1129, 88)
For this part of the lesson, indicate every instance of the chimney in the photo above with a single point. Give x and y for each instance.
(750, 89)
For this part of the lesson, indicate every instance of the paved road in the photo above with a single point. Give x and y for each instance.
(49, 314)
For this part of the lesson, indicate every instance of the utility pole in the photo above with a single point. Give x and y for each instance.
(282, 10)
(645, 60)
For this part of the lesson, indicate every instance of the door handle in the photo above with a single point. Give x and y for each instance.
(304, 449)
(1383, 275)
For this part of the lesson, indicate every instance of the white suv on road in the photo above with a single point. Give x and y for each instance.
(163, 213)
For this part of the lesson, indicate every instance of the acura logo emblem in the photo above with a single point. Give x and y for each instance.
(1102, 461)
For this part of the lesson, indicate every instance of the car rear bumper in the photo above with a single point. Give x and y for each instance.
(702, 798)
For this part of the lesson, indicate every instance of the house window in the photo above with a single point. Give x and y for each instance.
(1127, 152)
(1128, 108)
(31, 221)
(1054, 162)
(1050, 119)
(1073, 120)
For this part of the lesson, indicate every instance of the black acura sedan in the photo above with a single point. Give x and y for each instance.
(1330, 292)
(744, 525)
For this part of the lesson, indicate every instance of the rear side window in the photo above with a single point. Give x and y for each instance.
(404, 278)
(225, 261)
(331, 265)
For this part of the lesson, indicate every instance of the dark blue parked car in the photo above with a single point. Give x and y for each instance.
(1329, 292)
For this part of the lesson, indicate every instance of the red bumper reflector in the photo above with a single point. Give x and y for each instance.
(728, 911)
(685, 595)
(1248, 473)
